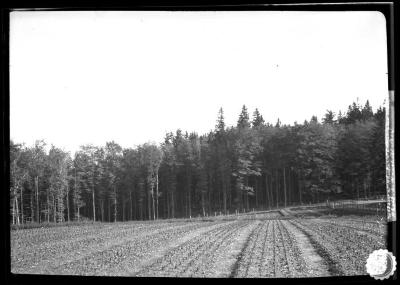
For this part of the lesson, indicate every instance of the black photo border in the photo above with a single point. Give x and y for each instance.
(388, 9)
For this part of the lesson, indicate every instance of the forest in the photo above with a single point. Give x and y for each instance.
(254, 165)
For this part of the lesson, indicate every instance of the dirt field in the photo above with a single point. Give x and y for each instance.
(298, 242)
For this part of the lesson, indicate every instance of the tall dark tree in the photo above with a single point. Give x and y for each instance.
(258, 119)
(113, 158)
(243, 121)
(246, 149)
(252, 165)
(366, 112)
(329, 117)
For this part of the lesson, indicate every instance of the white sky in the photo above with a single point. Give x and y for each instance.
(92, 77)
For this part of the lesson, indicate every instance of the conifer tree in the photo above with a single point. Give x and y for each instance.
(250, 165)
(220, 127)
(258, 119)
(329, 117)
(366, 112)
(243, 121)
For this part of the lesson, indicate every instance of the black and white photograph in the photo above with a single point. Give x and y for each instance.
(205, 144)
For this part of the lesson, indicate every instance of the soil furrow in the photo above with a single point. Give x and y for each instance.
(102, 261)
(181, 258)
(259, 244)
(261, 272)
(248, 254)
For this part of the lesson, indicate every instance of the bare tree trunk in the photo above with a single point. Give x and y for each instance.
(13, 210)
(209, 180)
(109, 210)
(255, 191)
(48, 205)
(32, 208)
(16, 204)
(130, 199)
(37, 198)
(168, 209)
(149, 205)
(247, 195)
(267, 198)
(230, 195)
(22, 205)
(271, 192)
(189, 189)
(203, 203)
(123, 209)
(358, 190)
(290, 186)
(68, 202)
(185, 199)
(190, 202)
(284, 186)
(141, 210)
(219, 206)
(74, 200)
(224, 199)
(365, 188)
(153, 202)
(115, 204)
(277, 188)
(54, 210)
(60, 210)
(134, 206)
(172, 205)
(225, 195)
(94, 206)
(300, 185)
(157, 195)
(102, 209)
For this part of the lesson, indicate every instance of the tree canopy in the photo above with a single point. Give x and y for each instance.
(253, 165)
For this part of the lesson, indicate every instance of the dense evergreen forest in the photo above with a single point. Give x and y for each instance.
(253, 165)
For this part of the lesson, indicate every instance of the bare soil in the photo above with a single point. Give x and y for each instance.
(269, 244)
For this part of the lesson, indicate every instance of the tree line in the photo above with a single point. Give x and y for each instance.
(253, 165)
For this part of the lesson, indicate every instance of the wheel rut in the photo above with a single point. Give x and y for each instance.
(317, 258)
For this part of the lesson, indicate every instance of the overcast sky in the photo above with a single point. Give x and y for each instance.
(92, 77)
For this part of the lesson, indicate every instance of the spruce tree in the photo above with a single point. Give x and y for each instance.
(258, 119)
(329, 117)
(220, 127)
(366, 112)
(243, 121)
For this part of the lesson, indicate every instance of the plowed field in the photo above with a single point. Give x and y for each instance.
(264, 244)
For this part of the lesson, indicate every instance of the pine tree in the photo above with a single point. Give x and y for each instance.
(220, 127)
(250, 165)
(366, 112)
(314, 120)
(168, 170)
(329, 117)
(258, 119)
(354, 113)
(77, 199)
(243, 121)
(377, 151)
(246, 148)
(18, 176)
(113, 157)
(340, 118)
(37, 168)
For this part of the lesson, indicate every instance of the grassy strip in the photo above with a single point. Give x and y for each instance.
(52, 224)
